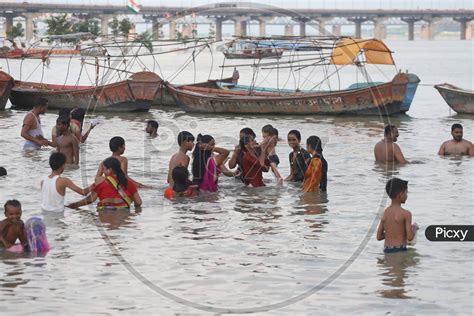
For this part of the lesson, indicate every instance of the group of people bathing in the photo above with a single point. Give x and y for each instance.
(115, 189)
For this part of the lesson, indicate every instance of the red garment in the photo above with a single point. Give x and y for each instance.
(76, 122)
(190, 192)
(253, 170)
(105, 190)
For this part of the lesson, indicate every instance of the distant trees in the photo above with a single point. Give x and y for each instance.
(91, 26)
(121, 27)
(17, 31)
(59, 25)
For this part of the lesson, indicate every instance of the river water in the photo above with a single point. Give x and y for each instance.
(270, 250)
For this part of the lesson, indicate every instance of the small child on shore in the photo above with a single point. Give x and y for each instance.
(12, 227)
(396, 224)
(182, 186)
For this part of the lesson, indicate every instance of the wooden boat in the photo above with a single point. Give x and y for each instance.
(164, 98)
(460, 100)
(6, 85)
(256, 53)
(379, 99)
(134, 94)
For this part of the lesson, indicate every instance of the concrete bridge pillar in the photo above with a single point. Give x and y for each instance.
(379, 28)
(29, 26)
(302, 29)
(172, 29)
(240, 26)
(8, 26)
(104, 23)
(322, 25)
(218, 34)
(411, 26)
(358, 20)
(262, 25)
(463, 24)
(427, 30)
(289, 30)
(469, 31)
(336, 30)
(155, 28)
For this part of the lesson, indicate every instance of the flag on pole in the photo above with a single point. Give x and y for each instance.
(132, 5)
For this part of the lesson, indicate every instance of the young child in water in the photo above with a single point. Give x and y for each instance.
(181, 184)
(12, 227)
(270, 136)
(315, 177)
(395, 226)
(206, 165)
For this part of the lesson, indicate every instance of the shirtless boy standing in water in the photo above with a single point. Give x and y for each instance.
(457, 145)
(395, 226)
(67, 143)
(186, 143)
(386, 151)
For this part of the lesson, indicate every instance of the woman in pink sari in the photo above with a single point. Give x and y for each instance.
(206, 165)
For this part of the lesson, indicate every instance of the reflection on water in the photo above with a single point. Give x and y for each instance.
(114, 219)
(397, 269)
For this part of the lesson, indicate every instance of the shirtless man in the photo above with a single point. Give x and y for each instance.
(186, 143)
(457, 145)
(152, 128)
(386, 151)
(66, 142)
(395, 226)
(31, 130)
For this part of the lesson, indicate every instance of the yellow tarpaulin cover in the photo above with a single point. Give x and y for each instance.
(375, 51)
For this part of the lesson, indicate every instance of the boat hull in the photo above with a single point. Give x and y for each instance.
(6, 85)
(460, 100)
(389, 98)
(255, 54)
(164, 97)
(135, 94)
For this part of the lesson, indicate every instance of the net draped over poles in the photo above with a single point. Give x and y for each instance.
(348, 49)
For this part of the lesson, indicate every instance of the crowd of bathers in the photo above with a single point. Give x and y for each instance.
(115, 189)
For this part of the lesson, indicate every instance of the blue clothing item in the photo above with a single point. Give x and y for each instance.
(274, 158)
(395, 249)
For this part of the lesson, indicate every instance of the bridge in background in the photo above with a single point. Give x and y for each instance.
(241, 14)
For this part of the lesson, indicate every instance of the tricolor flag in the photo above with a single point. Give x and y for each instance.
(132, 5)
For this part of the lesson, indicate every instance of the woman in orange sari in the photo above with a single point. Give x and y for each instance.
(315, 176)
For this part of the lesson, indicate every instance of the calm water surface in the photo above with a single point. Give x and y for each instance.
(246, 248)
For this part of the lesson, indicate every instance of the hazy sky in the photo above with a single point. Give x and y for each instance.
(327, 4)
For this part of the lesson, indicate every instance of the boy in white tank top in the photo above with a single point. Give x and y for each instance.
(53, 187)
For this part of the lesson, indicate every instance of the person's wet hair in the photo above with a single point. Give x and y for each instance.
(200, 158)
(64, 112)
(456, 126)
(3, 172)
(41, 102)
(389, 128)
(244, 141)
(152, 123)
(114, 164)
(315, 143)
(57, 160)
(12, 203)
(267, 129)
(115, 143)
(273, 132)
(66, 120)
(180, 175)
(296, 133)
(395, 186)
(248, 131)
(78, 114)
(185, 136)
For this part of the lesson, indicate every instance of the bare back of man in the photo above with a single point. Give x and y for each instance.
(178, 159)
(388, 152)
(69, 146)
(453, 147)
(396, 226)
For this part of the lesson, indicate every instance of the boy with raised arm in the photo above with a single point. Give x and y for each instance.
(53, 187)
(395, 226)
